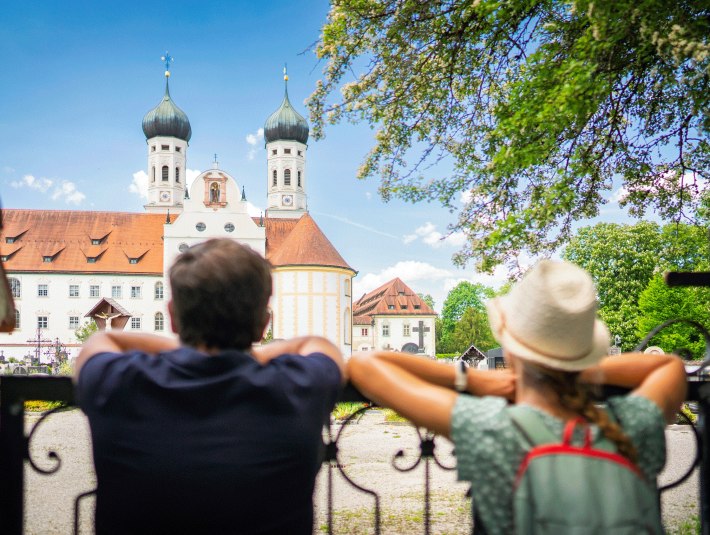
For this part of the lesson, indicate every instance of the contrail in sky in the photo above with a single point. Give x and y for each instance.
(358, 225)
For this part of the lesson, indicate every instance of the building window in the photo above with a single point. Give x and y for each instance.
(9, 240)
(116, 292)
(153, 175)
(17, 319)
(132, 260)
(90, 259)
(406, 330)
(287, 177)
(165, 147)
(73, 290)
(417, 307)
(4, 258)
(15, 287)
(178, 149)
(346, 325)
(94, 290)
(300, 153)
(347, 287)
(42, 290)
(273, 152)
(403, 307)
(165, 173)
(158, 290)
(390, 307)
(152, 148)
(287, 151)
(95, 241)
(135, 292)
(135, 323)
(42, 322)
(385, 329)
(363, 332)
(73, 322)
(177, 175)
(229, 227)
(273, 178)
(159, 321)
(46, 259)
(299, 179)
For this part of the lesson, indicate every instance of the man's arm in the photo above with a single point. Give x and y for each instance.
(118, 342)
(303, 345)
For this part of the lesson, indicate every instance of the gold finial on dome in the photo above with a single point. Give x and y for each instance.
(285, 74)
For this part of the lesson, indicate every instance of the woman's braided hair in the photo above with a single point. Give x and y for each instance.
(577, 397)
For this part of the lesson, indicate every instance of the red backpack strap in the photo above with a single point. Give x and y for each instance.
(570, 426)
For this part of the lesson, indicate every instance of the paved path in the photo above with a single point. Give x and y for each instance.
(367, 450)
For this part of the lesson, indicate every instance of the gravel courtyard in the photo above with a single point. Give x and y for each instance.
(366, 453)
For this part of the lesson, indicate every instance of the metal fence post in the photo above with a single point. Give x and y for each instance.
(12, 458)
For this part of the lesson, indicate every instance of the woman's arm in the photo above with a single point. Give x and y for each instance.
(660, 378)
(418, 388)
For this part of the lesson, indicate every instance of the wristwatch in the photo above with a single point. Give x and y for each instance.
(461, 377)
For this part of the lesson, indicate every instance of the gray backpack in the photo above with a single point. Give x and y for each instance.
(585, 489)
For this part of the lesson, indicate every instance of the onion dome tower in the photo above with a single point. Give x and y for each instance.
(167, 131)
(286, 135)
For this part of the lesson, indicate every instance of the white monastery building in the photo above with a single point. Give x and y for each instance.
(65, 267)
(393, 317)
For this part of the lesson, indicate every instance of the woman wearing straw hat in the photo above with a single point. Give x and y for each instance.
(554, 346)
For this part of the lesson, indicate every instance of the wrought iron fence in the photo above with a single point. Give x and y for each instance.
(15, 451)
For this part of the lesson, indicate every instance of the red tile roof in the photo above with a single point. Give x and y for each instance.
(393, 298)
(306, 245)
(65, 235)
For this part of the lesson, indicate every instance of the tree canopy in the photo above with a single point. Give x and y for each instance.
(534, 106)
(625, 259)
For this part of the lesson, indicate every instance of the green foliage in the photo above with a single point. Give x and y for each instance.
(473, 328)
(392, 416)
(428, 299)
(65, 368)
(82, 333)
(463, 296)
(447, 356)
(43, 406)
(345, 409)
(689, 526)
(534, 106)
(659, 303)
(623, 260)
(464, 320)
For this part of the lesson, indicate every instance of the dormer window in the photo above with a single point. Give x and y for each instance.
(417, 307)
(403, 307)
(390, 307)
(47, 259)
(4, 258)
(132, 260)
(10, 240)
(90, 259)
(95, 241)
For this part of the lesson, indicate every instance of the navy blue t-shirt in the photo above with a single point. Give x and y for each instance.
(189, 443)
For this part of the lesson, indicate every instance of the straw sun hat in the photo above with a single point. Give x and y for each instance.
(549, 318)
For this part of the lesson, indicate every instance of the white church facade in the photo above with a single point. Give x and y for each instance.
(66, 267)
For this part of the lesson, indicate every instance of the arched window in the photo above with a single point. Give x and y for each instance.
(347, 287)
(287, 177)
(177, 175)
(273, 178)
(17, 319)
(346, 325)
(158, 290)
(159, 321)
(165, 173)
(299, 179)
(152, 178)
(15, 287)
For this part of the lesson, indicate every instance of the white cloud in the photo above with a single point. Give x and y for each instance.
(253, 210)
(28, 181)
(253, 139)
(466, 197)
(67, 191)
(410, 271)
(435, 239)
(139, 185)
(63, 190)
(192, 174)
(619, 195)
(368, 195)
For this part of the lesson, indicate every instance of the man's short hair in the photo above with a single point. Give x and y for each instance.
(220, 292)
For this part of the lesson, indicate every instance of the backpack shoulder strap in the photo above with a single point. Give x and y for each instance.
(531, 426)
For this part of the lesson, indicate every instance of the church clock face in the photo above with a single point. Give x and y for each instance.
(287, 200)
(164, 196)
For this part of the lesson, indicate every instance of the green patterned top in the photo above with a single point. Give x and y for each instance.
(489, 450)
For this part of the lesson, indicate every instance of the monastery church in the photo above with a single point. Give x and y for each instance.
(68, 266)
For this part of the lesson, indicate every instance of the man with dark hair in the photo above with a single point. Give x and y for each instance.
(208, 435)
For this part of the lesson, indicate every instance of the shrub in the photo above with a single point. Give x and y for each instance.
(447, 356)
(345, 409)
(36, 405)
(393, 416)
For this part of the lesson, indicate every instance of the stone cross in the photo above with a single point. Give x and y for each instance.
(421, 330)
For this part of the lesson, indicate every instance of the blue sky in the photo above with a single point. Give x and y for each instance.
(79, 76)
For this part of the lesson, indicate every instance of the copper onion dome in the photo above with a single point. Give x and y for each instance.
(286, 123)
